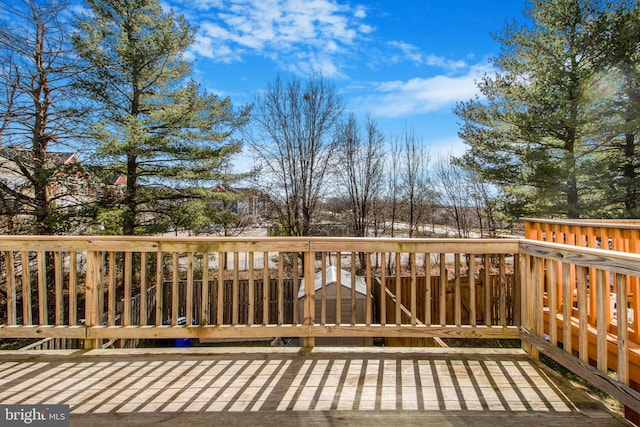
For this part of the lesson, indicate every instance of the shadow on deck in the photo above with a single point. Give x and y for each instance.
(265, 386)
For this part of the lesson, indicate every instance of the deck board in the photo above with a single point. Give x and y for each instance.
(272, 385)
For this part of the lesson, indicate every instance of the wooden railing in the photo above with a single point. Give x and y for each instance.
(548, 294)
(615, 235)
(593, 279)
(76, 282)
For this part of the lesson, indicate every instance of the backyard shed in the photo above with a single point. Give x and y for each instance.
(347, 304)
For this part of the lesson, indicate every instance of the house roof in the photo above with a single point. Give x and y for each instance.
(226, 188)
(332, 278)
(24, 155)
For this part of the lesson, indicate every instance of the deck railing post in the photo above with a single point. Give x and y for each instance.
(309, 314)
(525, 287)
(531, 307)
(91, 297)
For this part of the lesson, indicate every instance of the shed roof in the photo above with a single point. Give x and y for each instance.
(332, 278)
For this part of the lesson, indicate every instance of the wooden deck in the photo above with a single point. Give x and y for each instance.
(284, 387)
(558, 297)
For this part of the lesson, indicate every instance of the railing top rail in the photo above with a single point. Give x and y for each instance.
(631, 224)
(255, 244)
(409, 245)
(618, 262)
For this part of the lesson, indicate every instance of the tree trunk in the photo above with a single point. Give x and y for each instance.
(630, 176)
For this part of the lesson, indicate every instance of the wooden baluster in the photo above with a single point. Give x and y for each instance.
(517, 291)
(42, 288)
(428, 293)
(353, 288)
(602, 296)
(252, 292)
(27, 317)
(9, 263)
(159, 287)
(444, 279)
(524, 266)
(533, 286)
(323, 291)
(142, 311)
(383, 289)
(91, 297)
(488, 306)
(175, 290)
(220, 298)
(338, 318)
(188, 311)
(73, 288)
(265, 288)
(369, 309)
(472, 288)
(503, 290)
(413, 289)
(538, 296)
(567, 307)
(309, 298)
(111, 290)
(235, 288)
(204, 292)
(457, 308)
(58, 272)
(296, 286)
(583, 318)
(552, 297)
(633, 286)
(281, 288)
(622, 329)
(398, 306)
(128, 273)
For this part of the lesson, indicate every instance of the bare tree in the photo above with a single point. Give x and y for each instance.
(485, 201)
(360, 170)
(415, 180)
(35, 97)
(455, 186)
(393, 186)
(296, 126)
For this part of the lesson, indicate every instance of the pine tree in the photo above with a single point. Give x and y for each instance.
(161, 131)
(533, 136)
(616, 95)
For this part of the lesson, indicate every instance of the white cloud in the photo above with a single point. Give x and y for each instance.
(309, 63)
(360, 12)
(365, 29)
(408, 52)
(204, 46)
(279, 29)
(399, 98)
(447, 147)
(200, 4)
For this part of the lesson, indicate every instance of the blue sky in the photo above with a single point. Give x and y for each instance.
(406, 62)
